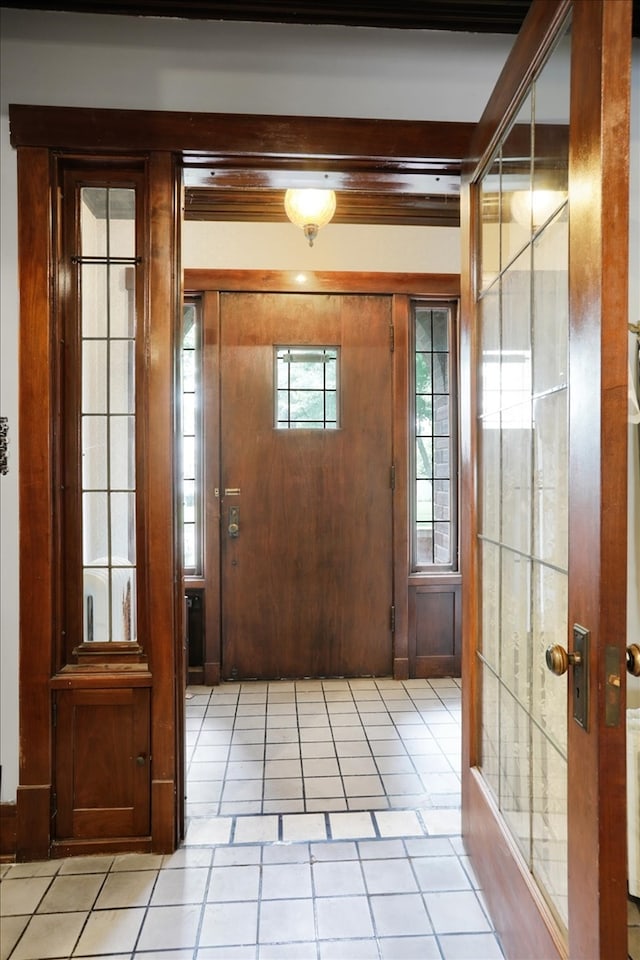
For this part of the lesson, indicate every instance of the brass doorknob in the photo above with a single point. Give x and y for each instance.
(633, 659)
(558, 659)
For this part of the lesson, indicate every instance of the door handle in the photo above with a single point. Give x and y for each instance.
(559, 660)
(633, 659)
(233, 528)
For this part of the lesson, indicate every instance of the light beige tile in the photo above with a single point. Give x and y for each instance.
(97, 864)
(166, 928)
(10, 930)
(180, 886)
(137, 861)
(110, 931)
(73, 893)
(256, 829)
(21, 871)
(209, 830)
(351, 825)
(131, 888)
(310, 826)
(22, 896)
(398, 823)
(46, 936)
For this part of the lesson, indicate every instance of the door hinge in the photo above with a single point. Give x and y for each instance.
(392, 479)
(392, 337)
(392, 618)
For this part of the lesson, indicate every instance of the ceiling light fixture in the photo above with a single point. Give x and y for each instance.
(310, 210)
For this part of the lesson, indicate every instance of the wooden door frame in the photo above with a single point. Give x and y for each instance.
(601, 57)
(41, 134)
(400, 287)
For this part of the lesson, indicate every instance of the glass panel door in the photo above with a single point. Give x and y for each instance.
(523, 477)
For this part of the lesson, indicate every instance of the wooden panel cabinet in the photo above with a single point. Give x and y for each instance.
(434, 630)
(103, 763)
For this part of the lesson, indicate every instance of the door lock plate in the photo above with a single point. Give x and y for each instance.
(580, 676)
(234, 522)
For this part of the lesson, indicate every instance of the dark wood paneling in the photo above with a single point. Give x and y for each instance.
(7, 831)
(306, 586)
(435, 629)
(211, 412)
(102, 763)
(288, 281)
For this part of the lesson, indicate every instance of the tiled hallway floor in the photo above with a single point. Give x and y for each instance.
(323, 822)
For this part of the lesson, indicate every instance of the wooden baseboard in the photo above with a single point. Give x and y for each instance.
(7, 831)
(33, 822)
(105, 845)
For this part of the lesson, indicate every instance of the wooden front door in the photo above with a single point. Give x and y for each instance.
(306, 454)
(544, 495)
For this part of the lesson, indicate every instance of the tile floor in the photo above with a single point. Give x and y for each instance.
(323, 822)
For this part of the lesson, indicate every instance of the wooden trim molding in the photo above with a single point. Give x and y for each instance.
(8, 815)
(288, 281)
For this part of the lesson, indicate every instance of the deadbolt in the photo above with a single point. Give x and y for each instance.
(558, 659)
(141, 759)
(633, 659)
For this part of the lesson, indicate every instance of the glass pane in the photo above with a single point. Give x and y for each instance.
(424, 416)
(490, 225)
(423, 373)
(94, 376)
(123, 448)
(189, 457)
(122, 604)
(306, 375)
(123, 532)
(189, 414)
(551, 473)
(442, 426)
(424, 500)
(550, 305)
(96, 605)
(306, 405)
(441, 373)
(515, 780)
(423, 330)
(189, 361)
(441, 330)
(441, 505)
(94, 453)
(122, 376)
(516, 186)
(549, 617)
(515, 647)
(189, 500)
(95, 529)
(549, 822)
(424, 544)
(442, 461)
(442, 546)
(122, 280)
(490, 591)
(189, 545)
(122, 223)
(424, 464)
(331, 406)
(490, 735)
(95, 300)
(93, 221)
(490, 480)
(489, 310)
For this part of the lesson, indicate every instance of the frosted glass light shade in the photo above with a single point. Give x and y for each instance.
(310, 210)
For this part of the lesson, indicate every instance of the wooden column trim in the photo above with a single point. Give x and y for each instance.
(400, 423)
(165, 589)
(598, 309)
(36, 512)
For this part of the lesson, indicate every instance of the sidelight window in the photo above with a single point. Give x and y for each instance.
(434, 440)
(192, 438)
(100, 401)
